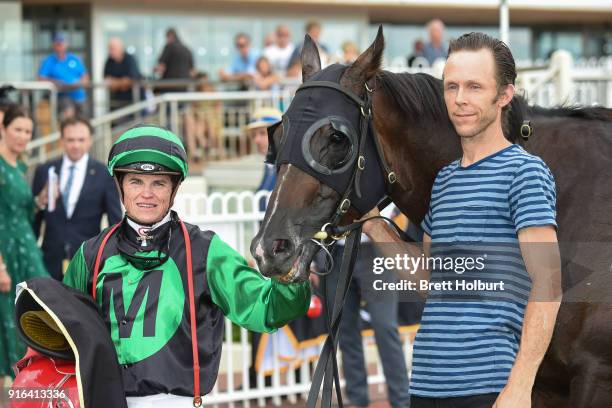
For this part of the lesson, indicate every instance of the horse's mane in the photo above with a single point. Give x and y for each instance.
(421, 98)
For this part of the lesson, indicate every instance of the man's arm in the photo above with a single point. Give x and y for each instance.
(77, 274)
(389, 244)
(247, 298)
(540, 253)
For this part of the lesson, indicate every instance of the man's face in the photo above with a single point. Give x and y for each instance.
(243, 45)
(76, 141)
(115, 50)
(60, 47)
(470, 92)
(282, 36)
(260, 138)
(315, 33)
(436, 32)
(147, 197)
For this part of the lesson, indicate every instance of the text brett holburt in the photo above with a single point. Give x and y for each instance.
(447, 285)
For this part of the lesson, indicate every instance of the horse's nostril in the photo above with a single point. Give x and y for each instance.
(280, 245)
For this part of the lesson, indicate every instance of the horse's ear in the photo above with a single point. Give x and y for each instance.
(366, 66)
(311, 62)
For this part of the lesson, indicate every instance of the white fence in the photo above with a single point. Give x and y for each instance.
(559, 81)
(235, 217)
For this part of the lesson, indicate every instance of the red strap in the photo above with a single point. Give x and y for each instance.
(197, 398)
(99, 257)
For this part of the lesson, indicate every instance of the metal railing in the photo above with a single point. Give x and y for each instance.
(44, 95)
(170, 110)
(216, 120)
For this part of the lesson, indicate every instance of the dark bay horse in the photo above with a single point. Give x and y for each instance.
(417, 140)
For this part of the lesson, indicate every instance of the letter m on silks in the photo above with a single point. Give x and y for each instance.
(148, 287)
(142, 308)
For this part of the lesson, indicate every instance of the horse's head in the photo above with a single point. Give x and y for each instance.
(327, 162)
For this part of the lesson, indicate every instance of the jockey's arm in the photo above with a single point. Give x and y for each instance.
(77, 274)
(243, 294)
(246, 297)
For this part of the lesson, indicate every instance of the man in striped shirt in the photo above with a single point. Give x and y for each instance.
(483, 348)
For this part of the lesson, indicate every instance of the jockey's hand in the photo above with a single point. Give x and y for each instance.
(5, 279)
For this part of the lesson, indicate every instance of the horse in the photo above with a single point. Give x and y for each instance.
(417, 139)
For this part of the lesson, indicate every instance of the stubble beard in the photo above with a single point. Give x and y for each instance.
(486, 122)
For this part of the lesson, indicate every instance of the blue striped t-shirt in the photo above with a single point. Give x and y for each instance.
(467, 341)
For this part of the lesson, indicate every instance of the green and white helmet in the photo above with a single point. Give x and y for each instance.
(148, 149)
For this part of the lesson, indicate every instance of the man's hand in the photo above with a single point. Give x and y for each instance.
(314, 279)
(514, 396)
(42, 199)
(371, 225)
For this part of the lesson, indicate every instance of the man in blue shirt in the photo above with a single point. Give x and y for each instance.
(435, 48)
(243, 64)
(484, 349)
(68, 73)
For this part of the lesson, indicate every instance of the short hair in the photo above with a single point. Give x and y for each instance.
(171, 32)
(242, 35)
(312, 24)
(75, 121)
(433, 22)
(505, 68)
(13, 112)
(347, 45)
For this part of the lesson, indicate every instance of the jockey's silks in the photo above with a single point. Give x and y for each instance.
(146, 308)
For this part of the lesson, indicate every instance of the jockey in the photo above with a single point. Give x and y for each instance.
(164, 286)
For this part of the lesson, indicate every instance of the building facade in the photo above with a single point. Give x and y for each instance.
(537, 27)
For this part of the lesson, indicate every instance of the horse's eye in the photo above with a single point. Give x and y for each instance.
(338, 137)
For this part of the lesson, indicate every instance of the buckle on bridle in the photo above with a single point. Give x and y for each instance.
(526, 130)
(361, 163)
(345, 205)
(364, 113)
(327, 232)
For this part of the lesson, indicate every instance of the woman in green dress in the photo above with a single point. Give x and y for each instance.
(20, 257)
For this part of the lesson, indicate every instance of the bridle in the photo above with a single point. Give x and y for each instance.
(326, 372)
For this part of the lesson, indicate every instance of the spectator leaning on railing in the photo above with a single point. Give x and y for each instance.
(66, 71)
(242, 67)
(175, 61)
(120, 72)
(279, 53)
(265, 78)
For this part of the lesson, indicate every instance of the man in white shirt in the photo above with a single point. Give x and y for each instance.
(86, 193)
(280, 52)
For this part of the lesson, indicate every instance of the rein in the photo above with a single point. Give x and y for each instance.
(326, 373)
